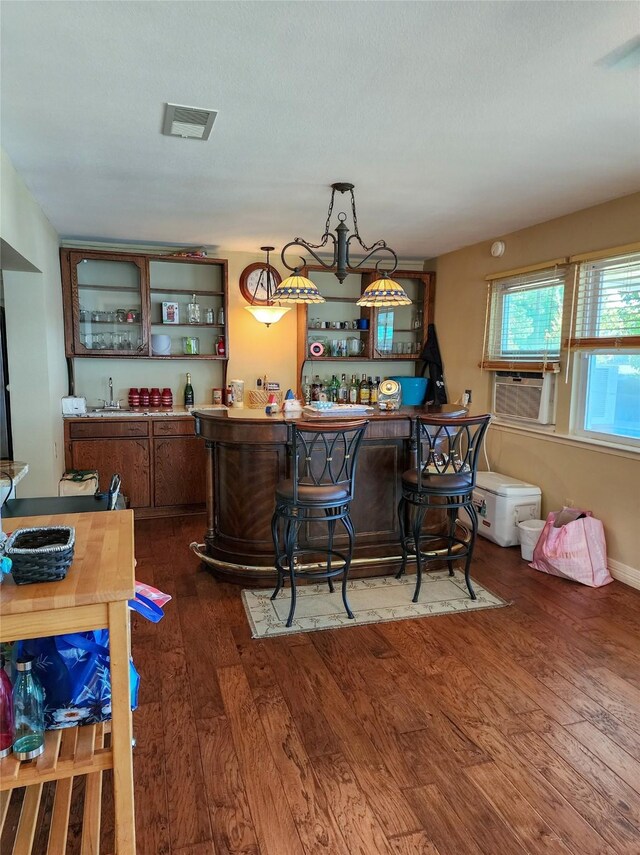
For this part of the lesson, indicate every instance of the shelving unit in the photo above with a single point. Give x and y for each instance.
(93, 595)
(104, 281)
(386, 327)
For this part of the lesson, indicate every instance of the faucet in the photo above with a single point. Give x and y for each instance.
(111, 404)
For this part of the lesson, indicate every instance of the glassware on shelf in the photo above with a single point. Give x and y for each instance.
(28, 712)
(210, 316)
(194, 315)
(191, 345)
(221, 315)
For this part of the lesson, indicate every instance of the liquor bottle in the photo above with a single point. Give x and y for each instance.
(6, 711)
(343, 391)
(363, 396)
(335, 388)
(28, 712)
(324, 391)
(193, 311)
(353, 390)
(188, 393)
(373, 393)
(220, 346)
(315, 388)
(306, 389)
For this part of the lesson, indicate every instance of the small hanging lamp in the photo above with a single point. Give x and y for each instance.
(384, 292)
(264, 310)
(298, 289)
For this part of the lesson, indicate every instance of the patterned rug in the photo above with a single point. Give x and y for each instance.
(374, 600)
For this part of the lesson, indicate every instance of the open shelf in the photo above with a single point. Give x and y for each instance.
(186, 292)
(168, 326)
(135, 288)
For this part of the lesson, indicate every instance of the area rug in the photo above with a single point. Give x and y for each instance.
(382, 598)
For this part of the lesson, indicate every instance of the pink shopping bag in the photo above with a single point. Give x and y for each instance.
(576, 550)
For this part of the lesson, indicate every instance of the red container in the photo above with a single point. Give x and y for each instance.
(144, 397)
(134, 398)
(167, 398)
(155, 398)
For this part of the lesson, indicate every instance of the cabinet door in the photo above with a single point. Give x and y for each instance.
(179, 471)
(128, 457)
(107, 300)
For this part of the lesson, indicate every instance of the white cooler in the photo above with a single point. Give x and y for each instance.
(502, 502)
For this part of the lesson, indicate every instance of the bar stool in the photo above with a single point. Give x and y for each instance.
(444, 478)
(324, 459)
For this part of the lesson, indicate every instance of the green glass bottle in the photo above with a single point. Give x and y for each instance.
(188, 393)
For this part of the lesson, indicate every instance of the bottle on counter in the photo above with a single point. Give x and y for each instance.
(144, 397)
(363, 392)
(28, 712)
(353, 390)
(324, 391)
(373, 393)
(343, 391)
(6, 711)
(188, 393)
(315, 388)
(334, 389)
(306, 390)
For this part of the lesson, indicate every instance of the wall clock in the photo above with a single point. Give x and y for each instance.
(255, 286)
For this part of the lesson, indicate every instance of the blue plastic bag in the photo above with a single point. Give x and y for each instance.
(74, 672)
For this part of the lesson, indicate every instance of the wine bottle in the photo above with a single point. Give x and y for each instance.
(343, 391)
(353, 390)
(373, 394)
(188, 393)
(306, 390)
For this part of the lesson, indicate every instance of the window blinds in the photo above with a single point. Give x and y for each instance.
(524, 320)
(607, 302)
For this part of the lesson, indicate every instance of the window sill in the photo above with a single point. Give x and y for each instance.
(548, 432)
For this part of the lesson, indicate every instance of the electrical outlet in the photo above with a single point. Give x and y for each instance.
(467, 392)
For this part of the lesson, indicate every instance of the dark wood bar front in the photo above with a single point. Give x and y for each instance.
(247, 456)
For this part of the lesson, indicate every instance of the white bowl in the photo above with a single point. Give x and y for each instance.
(161, 345)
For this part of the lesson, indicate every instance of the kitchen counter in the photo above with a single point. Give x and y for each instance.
(175, 412)
(16, 469)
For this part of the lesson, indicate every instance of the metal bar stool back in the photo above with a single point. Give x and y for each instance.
(323, 469)
(448, 451)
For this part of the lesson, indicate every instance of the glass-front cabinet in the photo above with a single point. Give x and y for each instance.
(131, 305)
(108, 296)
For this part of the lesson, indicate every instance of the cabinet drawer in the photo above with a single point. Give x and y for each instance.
(97, 430)
(175, 427)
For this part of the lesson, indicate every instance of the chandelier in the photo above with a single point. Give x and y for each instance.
(382, 292)
(266, 312)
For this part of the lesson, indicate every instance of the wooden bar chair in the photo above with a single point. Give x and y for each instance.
(447, 459)
(323, 469)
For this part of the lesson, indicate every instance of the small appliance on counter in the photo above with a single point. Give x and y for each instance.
(72, 405)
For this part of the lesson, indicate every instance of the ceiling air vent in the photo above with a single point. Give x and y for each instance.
(188, 122)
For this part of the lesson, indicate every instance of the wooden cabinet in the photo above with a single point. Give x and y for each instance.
(114, 303)
(179, 471)
(352, 339)
(161, 461)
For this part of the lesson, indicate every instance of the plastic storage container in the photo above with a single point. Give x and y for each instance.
(502, 502)
(529, 534)
(414, 390)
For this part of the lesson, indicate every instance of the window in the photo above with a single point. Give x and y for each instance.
(524, 319)
(607, 339)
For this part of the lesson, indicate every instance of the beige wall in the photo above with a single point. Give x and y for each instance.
(567, 472)
(33, 303)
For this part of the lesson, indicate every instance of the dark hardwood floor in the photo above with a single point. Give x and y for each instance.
(497, 732)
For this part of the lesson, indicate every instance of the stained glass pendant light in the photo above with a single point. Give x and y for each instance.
(298, 289)
(384, 292)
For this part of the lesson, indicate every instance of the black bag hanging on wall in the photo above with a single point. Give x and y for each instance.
(432, 360)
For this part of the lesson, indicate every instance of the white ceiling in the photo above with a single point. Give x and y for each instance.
(457, 121)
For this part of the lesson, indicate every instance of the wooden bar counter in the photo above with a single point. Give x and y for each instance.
(247, 456)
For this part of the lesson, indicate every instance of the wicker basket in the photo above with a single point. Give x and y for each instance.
(40, 554)
(258, 399)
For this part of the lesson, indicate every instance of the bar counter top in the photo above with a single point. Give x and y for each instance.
(248, 454)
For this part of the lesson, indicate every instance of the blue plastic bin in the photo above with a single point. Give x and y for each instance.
(414, 390)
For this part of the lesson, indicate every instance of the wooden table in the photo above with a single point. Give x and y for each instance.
(93, 595)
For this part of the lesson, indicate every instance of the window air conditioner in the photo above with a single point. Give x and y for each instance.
(524, 398)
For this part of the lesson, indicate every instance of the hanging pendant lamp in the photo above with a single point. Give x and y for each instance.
(266, 312)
